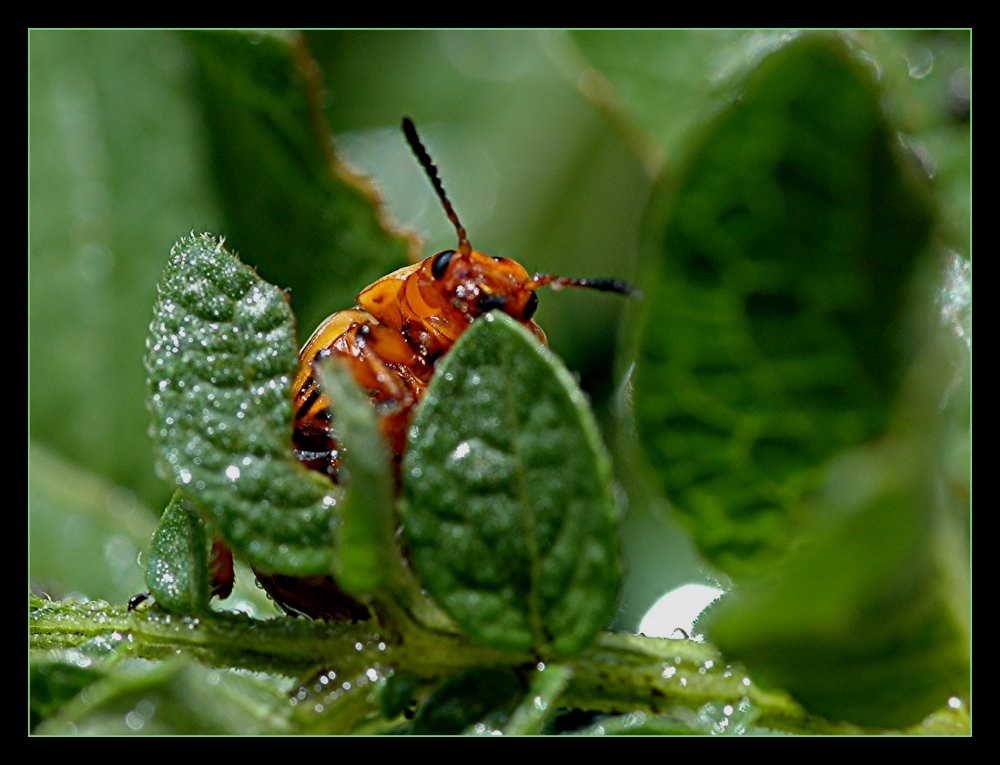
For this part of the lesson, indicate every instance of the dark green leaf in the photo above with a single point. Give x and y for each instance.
(309, 225)
(484, 695)
(177, 566)
(868, 620)
(509, 515)
(220, 354)
(779, 266)
(364, 544)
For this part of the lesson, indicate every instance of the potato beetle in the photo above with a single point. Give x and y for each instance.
(402, 324)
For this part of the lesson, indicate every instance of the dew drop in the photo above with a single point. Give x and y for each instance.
(920, 65)
(134, 720)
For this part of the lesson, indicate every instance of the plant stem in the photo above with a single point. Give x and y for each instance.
(618, 673)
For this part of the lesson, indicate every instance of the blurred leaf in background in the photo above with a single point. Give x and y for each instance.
(791, 388)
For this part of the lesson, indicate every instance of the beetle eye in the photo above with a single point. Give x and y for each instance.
(530, 307)
(440, 265)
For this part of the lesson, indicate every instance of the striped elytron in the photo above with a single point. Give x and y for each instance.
(402, 324)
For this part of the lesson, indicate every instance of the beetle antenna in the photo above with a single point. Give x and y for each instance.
(425, 161)
(602, 285)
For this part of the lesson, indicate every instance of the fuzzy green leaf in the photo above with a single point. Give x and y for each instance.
(220, 354)
(177, 566)
(779, 264)
(509, 515)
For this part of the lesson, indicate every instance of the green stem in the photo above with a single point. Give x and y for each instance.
(618, 673)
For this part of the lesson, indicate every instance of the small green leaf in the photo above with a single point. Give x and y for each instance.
(364, 541)
(484, 695)
(177, 566)
(509, 515)
(779, 264)
(220, 355)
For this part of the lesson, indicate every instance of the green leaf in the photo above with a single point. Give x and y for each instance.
(114, 173)
(508, 513)
(779, 262)
(310, 225)
(639, 78)
(56, 677)
(219, 358)
(868, 619)
(173, 697)
(364, 543)
(85, 534)
(482, 696)
(177, 566)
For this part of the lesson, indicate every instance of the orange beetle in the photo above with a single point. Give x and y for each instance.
(401, 326)
(405, 322)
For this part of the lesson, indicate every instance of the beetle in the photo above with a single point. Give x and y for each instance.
(402, 324)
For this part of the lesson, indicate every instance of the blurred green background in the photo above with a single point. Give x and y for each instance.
(548, 143)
